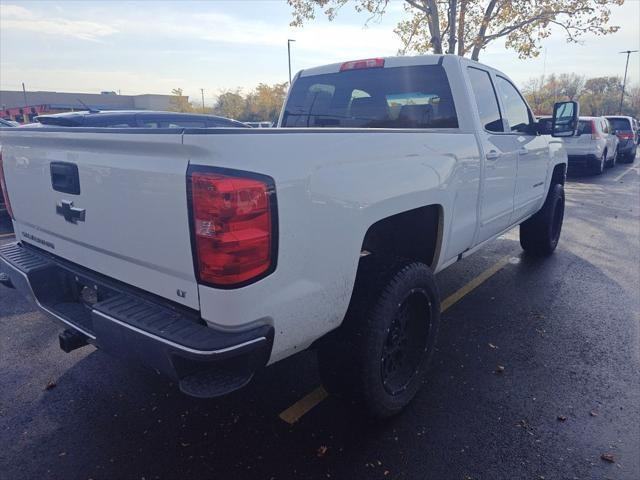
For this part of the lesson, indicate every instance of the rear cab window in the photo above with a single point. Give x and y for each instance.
(397, 97)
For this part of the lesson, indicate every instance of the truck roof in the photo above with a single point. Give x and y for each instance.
(394, 61)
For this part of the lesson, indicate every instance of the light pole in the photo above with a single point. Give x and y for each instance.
(289, 55)
(624, 83)
(202, 93)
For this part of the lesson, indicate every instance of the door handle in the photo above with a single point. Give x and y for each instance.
(523, 151)
(493, 155)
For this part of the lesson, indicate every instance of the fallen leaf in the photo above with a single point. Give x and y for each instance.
(593, 414)
(562, 418)
(492, 346)
(499, 369)
(62, 454)
(608, 457)
(51, 385)
(184, 444)
(322, 451)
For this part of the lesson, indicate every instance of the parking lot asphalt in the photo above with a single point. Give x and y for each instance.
(565, 331)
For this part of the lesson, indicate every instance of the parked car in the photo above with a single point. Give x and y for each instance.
(259, 124)
(627, 147)
(594, 147)
(8, 123)
(244, 247)
(636, 127)
(137, 119)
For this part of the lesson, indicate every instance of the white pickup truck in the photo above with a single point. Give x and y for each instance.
(209, 253)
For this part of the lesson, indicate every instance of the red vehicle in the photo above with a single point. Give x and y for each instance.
(3, 207)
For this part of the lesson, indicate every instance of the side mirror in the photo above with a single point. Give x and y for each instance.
(565, 119)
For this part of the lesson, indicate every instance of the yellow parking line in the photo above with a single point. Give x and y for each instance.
(619, 177)
(292, 414)
(6, 235)
(475, 283)
(303, 406)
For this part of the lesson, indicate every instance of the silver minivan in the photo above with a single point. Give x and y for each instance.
(594, 146)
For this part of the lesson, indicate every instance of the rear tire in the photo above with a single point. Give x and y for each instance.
(378, 358)
(598, 169)
(612, 163)
(628, 158)
(539, 235)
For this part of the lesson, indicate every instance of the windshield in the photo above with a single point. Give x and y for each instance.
(400, 97)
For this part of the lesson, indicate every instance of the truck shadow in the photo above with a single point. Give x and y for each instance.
(106, 420)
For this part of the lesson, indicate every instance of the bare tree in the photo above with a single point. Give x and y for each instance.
(470, 25)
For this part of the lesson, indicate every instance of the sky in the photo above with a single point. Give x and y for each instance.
(155, 46)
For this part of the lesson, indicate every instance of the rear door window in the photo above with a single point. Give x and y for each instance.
(516, 110)
(486, 100)
(399, 97)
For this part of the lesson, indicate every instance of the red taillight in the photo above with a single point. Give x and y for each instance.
(595, 135)
(233, 223)
(361, 64)
(625, 136)
(3, 187)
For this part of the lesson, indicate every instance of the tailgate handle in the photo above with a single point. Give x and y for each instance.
(65, 178)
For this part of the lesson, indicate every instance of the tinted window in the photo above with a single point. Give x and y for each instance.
(620, 123)
(516, 111)
(486, 100)
(115, 121)
(400, 97)
(584, 127)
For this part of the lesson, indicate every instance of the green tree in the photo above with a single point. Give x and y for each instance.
(466, 27)
(601, 96)
(179, 102)
(261, 104)
(231, 104)
(597, 96)
(265, 102)
(632, 101)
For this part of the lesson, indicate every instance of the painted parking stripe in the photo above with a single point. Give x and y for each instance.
(476, 282)
(303, 406)
(619, 177)
(295, 412)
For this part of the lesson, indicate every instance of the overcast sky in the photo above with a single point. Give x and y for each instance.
(152, 47)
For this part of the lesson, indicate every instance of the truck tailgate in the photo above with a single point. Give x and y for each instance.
(128, 218)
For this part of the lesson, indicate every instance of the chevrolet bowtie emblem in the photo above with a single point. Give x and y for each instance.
(70, 213)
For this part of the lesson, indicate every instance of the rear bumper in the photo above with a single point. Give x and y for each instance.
(626, 147)
(580, 161)
(135, 326)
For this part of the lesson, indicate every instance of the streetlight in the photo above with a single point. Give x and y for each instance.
(289, 55)
(624, 83)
